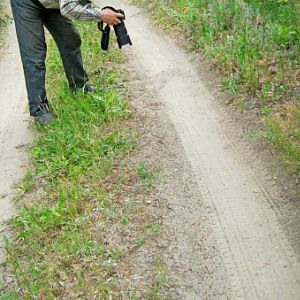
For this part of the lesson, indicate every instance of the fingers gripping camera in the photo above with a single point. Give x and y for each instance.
(120, 30)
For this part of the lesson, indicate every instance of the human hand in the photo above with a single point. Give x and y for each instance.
(110, 17)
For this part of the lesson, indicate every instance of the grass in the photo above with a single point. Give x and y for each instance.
(256, 45)
(77, 219)
(148, 175)
(2, 16)
(161, 281)
(3, 22)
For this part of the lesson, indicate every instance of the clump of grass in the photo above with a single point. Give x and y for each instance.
(255, 43)
(148, 175)
(1, 15)
(73, 228)
(161, 282)
(283, 131)
(3, 21)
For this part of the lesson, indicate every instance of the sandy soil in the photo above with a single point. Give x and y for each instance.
(14, 134)
(230, 185)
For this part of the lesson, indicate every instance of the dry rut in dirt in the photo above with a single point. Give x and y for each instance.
(14, 133)
(242, 204)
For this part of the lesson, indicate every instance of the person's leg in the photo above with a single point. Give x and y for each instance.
(68, 41)
(30, 32)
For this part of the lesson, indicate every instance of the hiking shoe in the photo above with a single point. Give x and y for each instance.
(45, 118)
(89, 88)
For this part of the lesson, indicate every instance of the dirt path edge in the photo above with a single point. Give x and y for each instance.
(14, 133)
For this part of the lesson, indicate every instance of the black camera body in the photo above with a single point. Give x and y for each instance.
(120, 30)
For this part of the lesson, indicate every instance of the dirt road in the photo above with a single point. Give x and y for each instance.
(242, 204)
(230, 187)
(14, 134)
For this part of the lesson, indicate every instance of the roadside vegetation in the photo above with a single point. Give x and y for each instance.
(3, 22)
(2, 18)
(79, 220)
(256, 45)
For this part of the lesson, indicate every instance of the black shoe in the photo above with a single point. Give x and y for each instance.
(45, 118)
(89, 88)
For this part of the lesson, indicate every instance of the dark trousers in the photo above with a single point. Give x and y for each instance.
(30, 18)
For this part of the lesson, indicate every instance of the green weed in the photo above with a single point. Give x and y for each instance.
(4, 20)
(140, 241)
(287, 145)
(148, 175)
(162, 281)
(28, 182)
(151, 229)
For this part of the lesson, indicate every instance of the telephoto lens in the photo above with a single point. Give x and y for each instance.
(121, 32)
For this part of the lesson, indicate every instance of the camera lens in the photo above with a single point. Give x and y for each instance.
(122, 35)
(120, 29)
